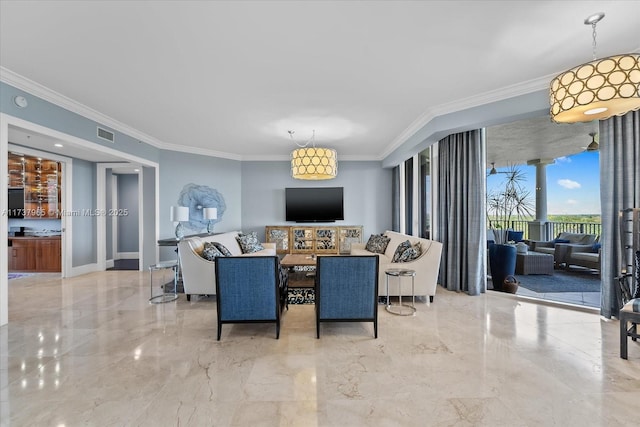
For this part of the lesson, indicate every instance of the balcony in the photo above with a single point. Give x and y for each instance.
(575, 286)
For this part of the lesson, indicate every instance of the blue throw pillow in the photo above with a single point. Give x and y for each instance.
(561, 241)
(596, 247)
(514, 236)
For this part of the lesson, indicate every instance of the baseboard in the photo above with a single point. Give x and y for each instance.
(83, 269)
(110, 263)
(127, 255)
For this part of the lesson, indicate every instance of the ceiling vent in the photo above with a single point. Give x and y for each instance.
(105, 134)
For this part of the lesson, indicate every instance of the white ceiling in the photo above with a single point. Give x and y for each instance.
(230, 78)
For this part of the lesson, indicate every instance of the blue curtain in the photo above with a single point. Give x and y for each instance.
(619, 190)
(461, 211)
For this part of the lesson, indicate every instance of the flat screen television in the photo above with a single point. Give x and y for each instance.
(314, 204)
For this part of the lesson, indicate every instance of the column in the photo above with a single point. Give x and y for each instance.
(537, 228)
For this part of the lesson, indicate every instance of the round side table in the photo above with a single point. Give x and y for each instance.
(400, 308)
(164, 296)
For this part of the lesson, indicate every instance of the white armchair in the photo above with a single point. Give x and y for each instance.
(198, 274)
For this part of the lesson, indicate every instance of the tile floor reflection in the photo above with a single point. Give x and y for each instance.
(92, 351)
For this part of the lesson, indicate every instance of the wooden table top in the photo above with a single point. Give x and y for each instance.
(292, 260)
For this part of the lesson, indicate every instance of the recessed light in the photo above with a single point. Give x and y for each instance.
(57, 144)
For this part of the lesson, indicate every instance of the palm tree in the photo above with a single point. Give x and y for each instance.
(512, 199)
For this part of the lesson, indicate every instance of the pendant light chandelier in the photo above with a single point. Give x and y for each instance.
(598, 89)
(313, 163)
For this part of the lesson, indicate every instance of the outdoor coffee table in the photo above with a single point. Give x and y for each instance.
(534, 263)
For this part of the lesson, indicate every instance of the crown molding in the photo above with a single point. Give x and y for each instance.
(49, 95)
(287, 158)
(36, 89)
(201, 151)
(467, 103)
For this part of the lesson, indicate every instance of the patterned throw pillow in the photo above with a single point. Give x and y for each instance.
(410, 254)
(210, 252)
(377, 243)
(222, 248)
(249, 243)
(400, 250)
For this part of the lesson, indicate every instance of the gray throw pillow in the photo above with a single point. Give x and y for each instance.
(210, 252)
(222, 248)
(377, 243)
(249, 243)
(400, 250)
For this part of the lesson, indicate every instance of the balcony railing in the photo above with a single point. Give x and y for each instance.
(555, 228)
(552, 229)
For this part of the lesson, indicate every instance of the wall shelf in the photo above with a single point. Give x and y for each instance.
(41, 181)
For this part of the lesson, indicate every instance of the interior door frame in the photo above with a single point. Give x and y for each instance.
(7, 121)
(101, 180)
(65, 204)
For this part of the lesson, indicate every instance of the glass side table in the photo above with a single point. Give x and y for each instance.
(400, 308)
(160, 269)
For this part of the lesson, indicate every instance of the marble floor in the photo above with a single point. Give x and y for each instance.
(91, 351)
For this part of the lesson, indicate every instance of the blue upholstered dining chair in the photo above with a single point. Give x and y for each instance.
(248, 290)
(347, 290)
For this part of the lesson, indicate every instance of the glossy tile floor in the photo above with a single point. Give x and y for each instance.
(92, 351)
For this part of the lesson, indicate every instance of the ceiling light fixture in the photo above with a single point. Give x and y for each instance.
(313, 163)
(493, 170)
(598, 89)
(594, 144)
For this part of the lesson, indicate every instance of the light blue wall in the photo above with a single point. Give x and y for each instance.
(367, 194)
(84, 226)
(179, 169)
(128, 228)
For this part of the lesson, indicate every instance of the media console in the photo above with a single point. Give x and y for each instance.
(299, 239)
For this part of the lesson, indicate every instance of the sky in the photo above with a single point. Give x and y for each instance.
(573, 184)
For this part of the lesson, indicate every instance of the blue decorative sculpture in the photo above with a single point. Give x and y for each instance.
(196, 198)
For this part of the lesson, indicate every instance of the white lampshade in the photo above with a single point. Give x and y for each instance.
(210, 213)
(179, 213)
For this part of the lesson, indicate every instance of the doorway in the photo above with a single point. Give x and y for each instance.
(79, 255)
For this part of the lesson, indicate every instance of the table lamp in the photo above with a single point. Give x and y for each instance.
(179, 214)
(210, 214)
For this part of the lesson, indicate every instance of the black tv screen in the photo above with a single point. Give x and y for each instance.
(314, 204)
